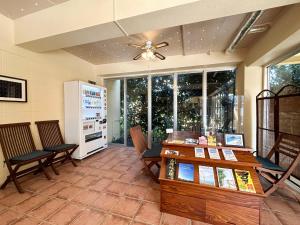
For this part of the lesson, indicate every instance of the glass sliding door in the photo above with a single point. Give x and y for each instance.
(137, 105)
(189, 102)
(220, 100)
(162, 106)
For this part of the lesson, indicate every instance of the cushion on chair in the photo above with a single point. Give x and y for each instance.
(268, 164)
(30, 156)
(154, 152)
(62, 147)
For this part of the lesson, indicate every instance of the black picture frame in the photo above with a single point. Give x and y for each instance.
(13, 89)
(234, 140)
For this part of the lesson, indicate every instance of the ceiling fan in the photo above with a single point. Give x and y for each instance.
(149, 50)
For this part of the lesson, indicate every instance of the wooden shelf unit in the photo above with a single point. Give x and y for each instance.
(207, 203)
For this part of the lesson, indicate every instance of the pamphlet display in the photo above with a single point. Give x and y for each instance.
(234, 179)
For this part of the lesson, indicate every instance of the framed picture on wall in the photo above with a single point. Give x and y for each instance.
(234, 140)
(13, 89)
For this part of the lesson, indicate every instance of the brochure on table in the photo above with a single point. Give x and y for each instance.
(244, 180)
(226, 178)
(206, 175)
(199, 153)
(229, 155)
(213, 153)
(186, 172)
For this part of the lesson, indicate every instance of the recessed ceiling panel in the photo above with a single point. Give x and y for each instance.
(117, 49)
(212, 35)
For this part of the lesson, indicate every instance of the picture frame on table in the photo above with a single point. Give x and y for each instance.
(13, 89)
(234, 140)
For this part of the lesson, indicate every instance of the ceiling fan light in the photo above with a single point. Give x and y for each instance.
(148, 55)
(144, 55)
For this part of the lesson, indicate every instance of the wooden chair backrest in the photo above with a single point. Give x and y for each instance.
(288, 145)
(16, 140)
(138, 139)
(50, 133)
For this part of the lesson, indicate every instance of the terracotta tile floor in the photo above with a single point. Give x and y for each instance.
(109, 189)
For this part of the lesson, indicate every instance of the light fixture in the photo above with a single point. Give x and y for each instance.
(148, 54)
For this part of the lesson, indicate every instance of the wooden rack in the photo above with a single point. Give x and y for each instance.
(206, 203)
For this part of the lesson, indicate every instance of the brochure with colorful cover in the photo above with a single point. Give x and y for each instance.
(171, 152)
(229, 154)
(186, 172)
(226, 178)
(206, 175)
(199, 153)
(244, 180)
(191, 141)
(212, 140)
(171, 168)
(213, 153)
(202, 140)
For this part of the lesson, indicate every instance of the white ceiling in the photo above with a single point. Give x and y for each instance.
(202, 37)
(18, 8)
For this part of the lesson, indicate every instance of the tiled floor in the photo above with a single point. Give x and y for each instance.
(109, 189)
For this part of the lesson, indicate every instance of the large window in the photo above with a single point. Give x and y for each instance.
(162, 106)
(195, 101)
(220, 100)
(189, 102)
(283, 74)
(137, 105)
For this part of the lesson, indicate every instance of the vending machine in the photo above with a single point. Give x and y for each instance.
(85, 117)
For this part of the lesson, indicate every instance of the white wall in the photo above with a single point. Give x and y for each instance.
(170, 63)
(45, 74)
(114, 110)
(252, 85)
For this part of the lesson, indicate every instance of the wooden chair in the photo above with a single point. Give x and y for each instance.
(19, 149)
(150, 157)
(273, 175)
(52, 141)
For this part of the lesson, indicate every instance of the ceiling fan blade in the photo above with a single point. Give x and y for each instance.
(162, 44)
(138, 56)
(135, 45)
(160, 56)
